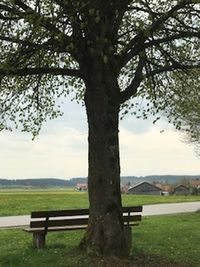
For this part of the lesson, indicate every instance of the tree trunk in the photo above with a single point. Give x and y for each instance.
(105, 234)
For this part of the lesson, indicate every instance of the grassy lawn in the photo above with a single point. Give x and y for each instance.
(175, 237)
(23, 202)
(167, 241)
(20, 202)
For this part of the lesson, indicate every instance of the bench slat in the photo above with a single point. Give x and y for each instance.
(53, 229)
(132, 209)
(74, 212)
(64, 228)
(59, 213)
(75, 221)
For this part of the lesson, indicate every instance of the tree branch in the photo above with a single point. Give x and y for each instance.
(70, 10)
(40, 71)
(172, 67)
(51, 44)
(59, 41)
(138, 42)
(19, 41)
(41, 20)
(131, 90)
(170, 38)
(6, 8)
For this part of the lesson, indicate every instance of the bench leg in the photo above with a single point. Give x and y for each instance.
(39, 240)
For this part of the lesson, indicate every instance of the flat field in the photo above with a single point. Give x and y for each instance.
(22, 202)
(167, 241)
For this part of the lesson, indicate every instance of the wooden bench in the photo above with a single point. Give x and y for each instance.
(43, 222)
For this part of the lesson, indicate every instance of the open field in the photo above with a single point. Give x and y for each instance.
(22, 202)
(165, 241)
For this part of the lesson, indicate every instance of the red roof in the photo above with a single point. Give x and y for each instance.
(81, 185)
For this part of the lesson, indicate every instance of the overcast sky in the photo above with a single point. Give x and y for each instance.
(61, 149)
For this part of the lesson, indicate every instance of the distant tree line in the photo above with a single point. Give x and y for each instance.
(53, 182)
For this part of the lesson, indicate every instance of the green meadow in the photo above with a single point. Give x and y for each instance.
(166, 241)
(169, 240)
(21, 202)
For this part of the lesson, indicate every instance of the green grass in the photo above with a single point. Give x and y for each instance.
(176, 237)
(20, 202)
(171, 240)
(144, 199)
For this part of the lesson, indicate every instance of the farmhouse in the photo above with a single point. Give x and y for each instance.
(145, 188)
(195, 183)
(167, 189)
(181, 190)
(81, 187)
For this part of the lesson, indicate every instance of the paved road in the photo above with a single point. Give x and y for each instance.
(148, 210)
(160, 209)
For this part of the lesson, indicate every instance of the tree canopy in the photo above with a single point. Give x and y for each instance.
(153, 46)
(186, 112)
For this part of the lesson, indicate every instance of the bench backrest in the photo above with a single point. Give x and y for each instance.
(76, 217)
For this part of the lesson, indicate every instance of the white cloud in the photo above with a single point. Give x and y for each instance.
(61, 150)
(156, 153)
(61, 154)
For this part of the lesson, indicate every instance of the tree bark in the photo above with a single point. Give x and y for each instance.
(105, 233)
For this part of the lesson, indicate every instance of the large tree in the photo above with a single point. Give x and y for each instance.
(108, 52)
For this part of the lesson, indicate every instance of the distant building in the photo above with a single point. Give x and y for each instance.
(167, 189)
(145, 188)
(81, 187)
(181, 190)
(195, 183)
(125, 188)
